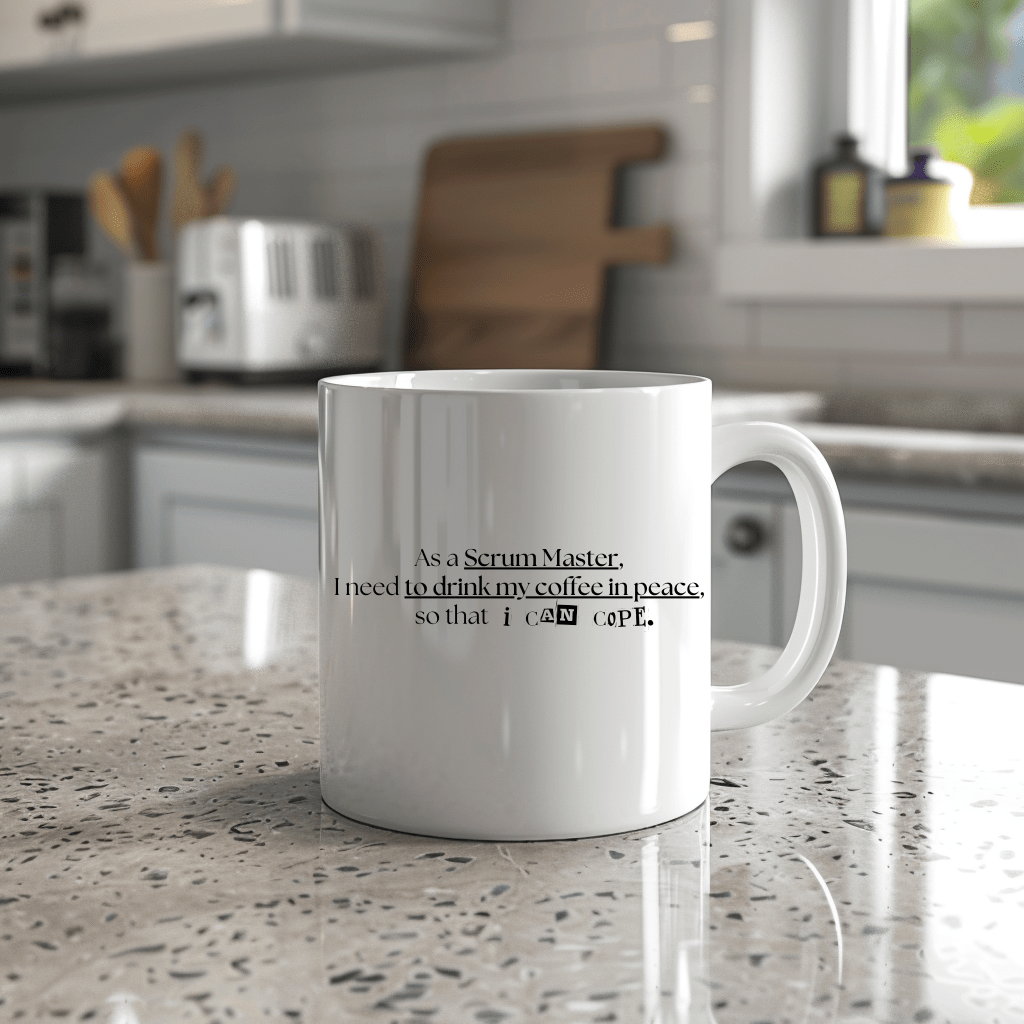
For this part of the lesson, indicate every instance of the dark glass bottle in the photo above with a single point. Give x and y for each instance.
(848, 194)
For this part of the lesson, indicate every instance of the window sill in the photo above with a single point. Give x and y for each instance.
(870, 270)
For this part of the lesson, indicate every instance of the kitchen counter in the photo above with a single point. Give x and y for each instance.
(166, 856)
(41, 407)
(32, 407)
(940, 438)
(935, 455)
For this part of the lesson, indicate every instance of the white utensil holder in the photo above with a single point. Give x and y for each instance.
(148, 323)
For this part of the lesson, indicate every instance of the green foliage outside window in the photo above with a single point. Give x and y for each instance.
(956, 47)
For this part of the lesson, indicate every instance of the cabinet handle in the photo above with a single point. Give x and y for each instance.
(57, 17)
(745, 535)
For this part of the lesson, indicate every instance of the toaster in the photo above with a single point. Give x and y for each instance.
(265, 300)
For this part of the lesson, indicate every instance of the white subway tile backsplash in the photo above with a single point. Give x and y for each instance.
(649, 313)
(700, 94)
(992, 331)
(620, 15)
(10, 457)
(381, 196)
(625, 67)
(545, 20)
(695, 191)
(278, 194)
(991, 376)
(390, 92)
(522, 76)
(648, 193)
(735, 368)
(692, 127)
(537, 74)
(692, 64)
(532, 21)
(853, 329)
(338, 149)
(694, 256)
(762, 369)
(704, 322)
(677, 190)
(687, 274)
(689, 128)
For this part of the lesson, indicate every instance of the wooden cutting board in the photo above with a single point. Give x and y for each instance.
(512, 244)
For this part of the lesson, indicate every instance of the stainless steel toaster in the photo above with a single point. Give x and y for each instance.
(266, 299)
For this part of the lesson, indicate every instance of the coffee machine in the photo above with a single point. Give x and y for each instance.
(37, 228)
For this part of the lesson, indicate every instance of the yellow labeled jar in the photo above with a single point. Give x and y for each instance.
(918, 206)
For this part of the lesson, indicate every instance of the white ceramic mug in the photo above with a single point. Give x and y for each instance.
(514, 598)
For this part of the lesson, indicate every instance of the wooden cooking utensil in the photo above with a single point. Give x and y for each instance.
(219, 191)
(109, 207)
(140, 179)
(512, 245)
(189, 197)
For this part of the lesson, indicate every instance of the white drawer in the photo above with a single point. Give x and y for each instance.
(938, 551)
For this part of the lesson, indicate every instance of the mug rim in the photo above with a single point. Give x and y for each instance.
(391, 381)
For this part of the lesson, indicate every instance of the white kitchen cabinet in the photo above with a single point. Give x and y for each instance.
(61, 508)
(755, 561)
(745, 568)
(936, 575)
(54, 47)
(24, 41)
(36, 30)
(213, 500)
(939, 593)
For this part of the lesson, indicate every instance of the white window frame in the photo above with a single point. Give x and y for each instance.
(795, 73)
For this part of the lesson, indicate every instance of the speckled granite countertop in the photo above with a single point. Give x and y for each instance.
(87, 408)
(50, 406)
(958, 439)
(166, 857)
(940, 456)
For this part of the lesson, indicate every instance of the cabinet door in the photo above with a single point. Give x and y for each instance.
(964, 634)
(433, 22)
(56, 510)
(743, 571)
(27, 536)
(24, 39)
(115, 27)
(38, 31)
(29, 545)
(226, 509)
(936, 593)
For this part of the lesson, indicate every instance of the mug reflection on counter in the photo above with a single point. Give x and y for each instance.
(712, 936)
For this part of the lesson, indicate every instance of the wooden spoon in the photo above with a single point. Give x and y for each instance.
(219, 191)
(109, 207)
(140, 175)
(189, 197)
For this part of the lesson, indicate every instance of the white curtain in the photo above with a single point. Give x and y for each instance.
(877, 85)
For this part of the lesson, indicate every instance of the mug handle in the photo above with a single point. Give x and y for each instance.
(819, 614)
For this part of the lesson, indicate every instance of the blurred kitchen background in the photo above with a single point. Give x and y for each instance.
(903, 358)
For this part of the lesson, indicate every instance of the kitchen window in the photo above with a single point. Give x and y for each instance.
(965, 97)
(795, 74)
(966, 90)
